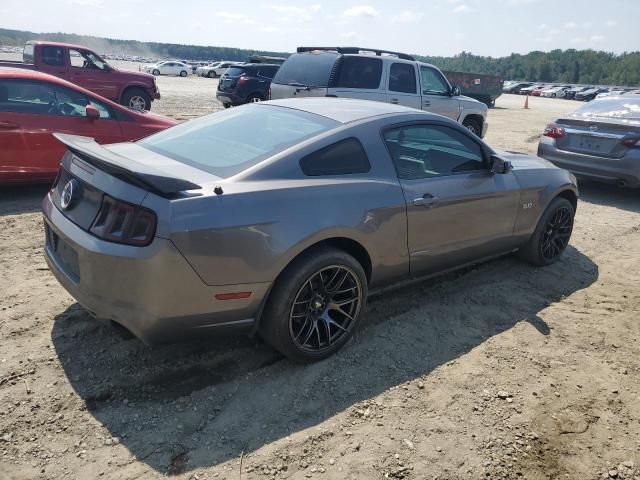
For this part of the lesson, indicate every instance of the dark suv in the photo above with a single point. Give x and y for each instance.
(245, 83)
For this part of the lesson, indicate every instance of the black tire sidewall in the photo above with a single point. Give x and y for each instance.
(185, 73)
(156, 73)
(473, 123)
(274, 324)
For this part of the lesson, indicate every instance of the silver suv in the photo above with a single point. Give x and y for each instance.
(377, 75)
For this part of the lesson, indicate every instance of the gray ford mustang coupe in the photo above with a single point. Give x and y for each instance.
(280, 217)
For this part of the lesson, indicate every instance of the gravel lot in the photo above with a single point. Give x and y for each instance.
(498, 371)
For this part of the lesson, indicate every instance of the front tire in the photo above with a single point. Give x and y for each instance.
(473, 125)
(156, 72)
(136, 99)
(315, 306)
(552, 234)
(183, 73)
(212, 74)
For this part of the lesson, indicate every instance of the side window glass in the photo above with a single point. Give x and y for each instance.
(53, 56)
(432, 82)
(402, 78)
(25, 97)
(359, 72)
(425, 151)
(85, 59)
(70, 103)
(342, 158)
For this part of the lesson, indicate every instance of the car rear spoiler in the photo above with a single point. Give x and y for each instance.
(120, 167)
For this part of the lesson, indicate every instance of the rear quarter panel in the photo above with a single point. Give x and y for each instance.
(265, 219)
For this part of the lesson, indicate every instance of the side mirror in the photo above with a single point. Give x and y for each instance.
(500, 165)
(455, 91)
(92, 112)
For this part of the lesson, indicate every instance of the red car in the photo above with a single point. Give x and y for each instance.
(536, 91)
(33, 105)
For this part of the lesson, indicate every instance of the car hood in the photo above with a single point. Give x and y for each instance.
(471, 102)
(522, 161)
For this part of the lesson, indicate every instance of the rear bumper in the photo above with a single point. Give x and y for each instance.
(152, 291)
(229, 97)
(610, 170)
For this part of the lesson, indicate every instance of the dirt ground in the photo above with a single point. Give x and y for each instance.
(502, 371)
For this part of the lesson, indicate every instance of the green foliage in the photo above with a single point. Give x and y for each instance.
(572, 66)
(575, 66)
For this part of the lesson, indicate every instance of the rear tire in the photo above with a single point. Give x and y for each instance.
(183, 73)
(473, 125)
(156, 72)
(254, 98)
(212, 74)
(315, 305)
(552, 234)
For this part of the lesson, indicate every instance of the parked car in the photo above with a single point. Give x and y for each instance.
(571, 93)
(556, 91)
(245, 83)
(589, 94)
(306, 206)
(377, 75)
(538, 90)
(600, 140)
(612, 93)
(205, 70)
(87, 69)
(168, 68)
(516, 87)
(33, 105)
(529, 89)
(217, 70)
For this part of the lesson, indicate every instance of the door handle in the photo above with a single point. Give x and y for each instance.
(9, 126)
(427, 200)
(394, 100)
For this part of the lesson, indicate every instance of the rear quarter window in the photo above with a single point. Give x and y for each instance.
(312, 69)
(342, 158)
(359, 72)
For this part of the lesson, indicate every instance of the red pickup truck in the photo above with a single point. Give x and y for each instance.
(85, 68)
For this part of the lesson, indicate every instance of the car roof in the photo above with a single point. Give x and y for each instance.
(345, 110)
(58, 44)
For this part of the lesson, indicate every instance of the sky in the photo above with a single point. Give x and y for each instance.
(428, 27)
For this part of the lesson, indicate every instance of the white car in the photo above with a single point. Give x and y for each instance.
(556, 91)
(217, 69)
(168, 68)
(206, 70)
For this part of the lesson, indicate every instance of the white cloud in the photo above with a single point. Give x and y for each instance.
(578, 40)
(461, 9)
(407, 17)
(596, 38)
(291, 12)
(587, 24)
(361, 11)
(543, 26)
(611, 23)
(87, 3)
(349, 35)
(232, 17)
(570, 25)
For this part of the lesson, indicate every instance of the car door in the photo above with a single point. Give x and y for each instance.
(90, 72)
(436, 95)
(457, 209)
(402, 86)
(34, 110)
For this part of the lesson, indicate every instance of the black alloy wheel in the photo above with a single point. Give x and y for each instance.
(557, 233)
(324, 308)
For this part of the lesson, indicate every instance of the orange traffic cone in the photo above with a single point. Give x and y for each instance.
(526, 102)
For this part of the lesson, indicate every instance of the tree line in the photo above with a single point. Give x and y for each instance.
(566, 66)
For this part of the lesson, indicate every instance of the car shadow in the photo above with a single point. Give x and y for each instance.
(609, 195)
(192, 405)
(23, 199)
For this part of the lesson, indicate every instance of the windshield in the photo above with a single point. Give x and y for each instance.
(624, 108)
(307, 69)
(234, 71)
(228, 142)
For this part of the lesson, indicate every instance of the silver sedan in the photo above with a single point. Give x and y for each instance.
(600, 140)
(280, 217)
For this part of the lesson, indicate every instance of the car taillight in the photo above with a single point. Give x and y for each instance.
(123, 222)
(632, 141)
(552, 130)
(242, 79)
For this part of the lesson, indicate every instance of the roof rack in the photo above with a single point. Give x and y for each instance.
(357, 50)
